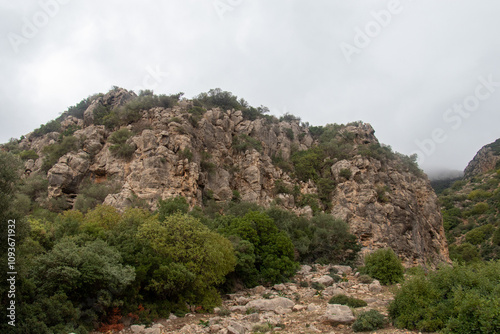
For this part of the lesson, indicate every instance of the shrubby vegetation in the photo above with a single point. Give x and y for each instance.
(385, 266)
(471, 213)
(85, 269)
(369, 321)
(452, 299)
(346, 300)
(55, 151)
(120, 147)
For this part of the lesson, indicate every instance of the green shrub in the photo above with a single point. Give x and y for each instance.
(368, 321)
(382, 194)
(385, 266)
(171, 206)
(365, 279)
(317, 286)
(29, 154)
(91, 194)
(90, 275)
(345, 173)
(244, 142)
(201, 259)
(464, 253)
(496, 237)
(281, 188)
(479, 234)
(55, 151)
(349, 301)
(264, 253)
(52, 126)
(478, 195)
(322, 239)
(452, 299)
(120, 148)
(289, 133)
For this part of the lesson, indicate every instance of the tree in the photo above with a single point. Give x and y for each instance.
(262, 248)
(199, 258)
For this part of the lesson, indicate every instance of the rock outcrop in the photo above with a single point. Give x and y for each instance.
(485, 160)
(222, 155)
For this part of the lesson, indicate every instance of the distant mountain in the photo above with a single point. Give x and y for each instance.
(126, 150)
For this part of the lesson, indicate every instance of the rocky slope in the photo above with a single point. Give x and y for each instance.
(285, 308)
(211, 153)
(485, 160)
(471, 208)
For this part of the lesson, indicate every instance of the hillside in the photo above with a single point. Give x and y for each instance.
(128, 150)
(471, 208)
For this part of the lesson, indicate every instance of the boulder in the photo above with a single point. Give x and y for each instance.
(270, 304)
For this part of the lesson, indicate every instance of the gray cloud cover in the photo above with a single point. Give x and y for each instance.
(399, 65)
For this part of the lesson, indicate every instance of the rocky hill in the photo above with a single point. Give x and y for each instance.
(486, 159)
(128, 150)
(471, 208)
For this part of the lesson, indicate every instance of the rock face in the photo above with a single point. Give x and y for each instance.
(388, 207)
(222, 155)
(486, 159)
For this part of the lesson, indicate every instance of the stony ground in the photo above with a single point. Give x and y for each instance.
(286, 308)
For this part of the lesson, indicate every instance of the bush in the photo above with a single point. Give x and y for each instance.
(369, 321)
(349, 301)
(52, 126)
(452, 299)
(264, 253)
(201, 259)
(92, 194)
(464, 253)
(29, 154)
(365, 279)
(479, 234)
(120, 148)
(385, 266)
(345, 173)
(55, 151)
(90, 275)
(171, 206)
(244, 142)
(322, 239)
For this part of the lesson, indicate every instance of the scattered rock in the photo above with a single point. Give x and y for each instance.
(270, 304)
(338, 314)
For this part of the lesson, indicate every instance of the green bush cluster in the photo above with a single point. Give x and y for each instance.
(244, 142)
(28, 154)
(369, 321)
(53, 152)
(452, 299)
(265, 254)
(133, 109)
(321, 239)
(346, 300)
(91, 194)
(120, 147)
(470, 218)
(385, 266)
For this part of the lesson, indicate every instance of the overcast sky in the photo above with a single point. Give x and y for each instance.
(425, 74)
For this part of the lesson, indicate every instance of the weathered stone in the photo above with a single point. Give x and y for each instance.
(375, 287)
(304, 269)
(325, 280)
(270, 304)
(137, 329)
(338, 314)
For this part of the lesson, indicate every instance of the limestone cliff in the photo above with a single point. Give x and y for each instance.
(486, 159)
(221, 155)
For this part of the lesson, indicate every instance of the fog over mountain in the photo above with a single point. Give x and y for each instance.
(424, 74)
